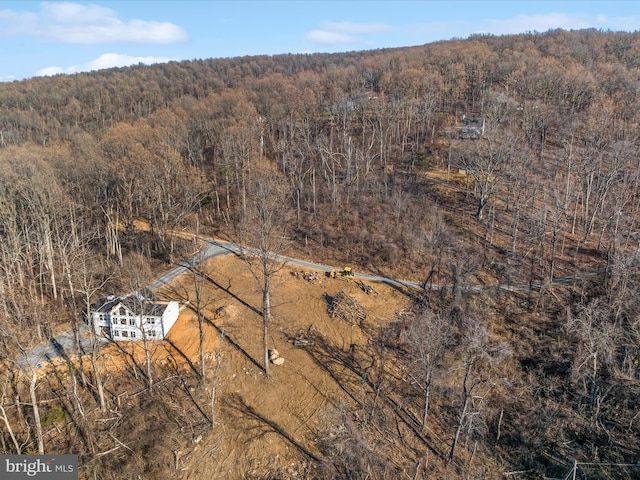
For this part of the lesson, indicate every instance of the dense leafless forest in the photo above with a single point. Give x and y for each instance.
(372, 170)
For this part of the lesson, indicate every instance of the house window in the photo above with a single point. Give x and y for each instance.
(151, 333)
(123, 321)
(133, 335)
(125, 333)
(116, 333)
(132, 321)
(152, 321)
(122, 311)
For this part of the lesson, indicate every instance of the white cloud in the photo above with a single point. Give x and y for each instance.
(71, 13)
(354, 28)
(108, 60)
(15, 23)
(68, 22)
(345, 32)
(327, 37)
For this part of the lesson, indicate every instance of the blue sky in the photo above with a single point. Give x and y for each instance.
(44, 38)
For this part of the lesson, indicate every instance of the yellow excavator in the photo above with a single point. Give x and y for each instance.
(345, 272)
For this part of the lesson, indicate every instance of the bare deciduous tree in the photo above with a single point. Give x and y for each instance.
(597, 338)
(485, 161)
(6, 420)
(200, 301)
(91, 280)
(263, 233)
(215, 378)
(479, 358)
(428, 337)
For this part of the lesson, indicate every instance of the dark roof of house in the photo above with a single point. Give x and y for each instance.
(472, 126)
(472, 121)
(105, 304)
(136, 303)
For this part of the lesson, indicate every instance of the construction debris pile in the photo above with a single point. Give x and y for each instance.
(346, 308)
(304, 338)
(312, 277)
(368, 289)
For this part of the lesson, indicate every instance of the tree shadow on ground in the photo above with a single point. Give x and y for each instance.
(184, 298)
(175, 348)
(234, 344)
(260, 425)
(352, 376)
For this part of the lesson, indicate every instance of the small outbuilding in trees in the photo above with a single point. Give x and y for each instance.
(472, 127)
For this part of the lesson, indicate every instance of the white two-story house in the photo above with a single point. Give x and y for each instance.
(133, 317)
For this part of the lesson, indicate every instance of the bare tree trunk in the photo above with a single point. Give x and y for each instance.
(147, 356)
(461, 418)
(214, 380)
(428, 334)
(83, 424)
(36, 411)
(200, 304)
(89, 287)
(5, 419)
(594, 383)
(201, 337)
(50, 261)
(514, 229)
(265, 226)
(427, 390)
(266, 317)
(481, 205)
(97, 375)
(499, 427)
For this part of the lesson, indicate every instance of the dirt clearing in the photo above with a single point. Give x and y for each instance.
(265, 424)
